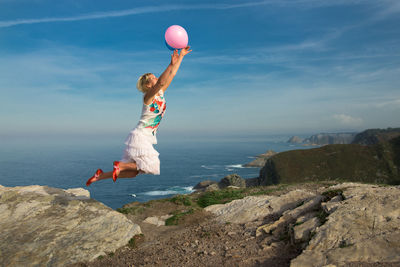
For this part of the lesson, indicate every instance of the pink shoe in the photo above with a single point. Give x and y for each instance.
(115, 170)
(94, 177)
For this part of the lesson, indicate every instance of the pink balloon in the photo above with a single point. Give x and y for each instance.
(176, 37)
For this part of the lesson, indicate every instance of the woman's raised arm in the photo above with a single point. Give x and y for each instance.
(168, 75)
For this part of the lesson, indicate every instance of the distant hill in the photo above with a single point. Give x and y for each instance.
(375, 136)
(378, 163)
(330, 138)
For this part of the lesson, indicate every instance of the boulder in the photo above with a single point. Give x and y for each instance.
(203, 185)
(253, 208)
(232, 180)
(44, 226)
(363, 228)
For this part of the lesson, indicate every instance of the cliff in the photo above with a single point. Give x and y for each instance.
(375, 136)
(377, 163)
(330, 138)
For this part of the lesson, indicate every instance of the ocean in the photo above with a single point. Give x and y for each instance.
(69, 161)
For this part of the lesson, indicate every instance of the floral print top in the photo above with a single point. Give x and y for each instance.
(153, 113)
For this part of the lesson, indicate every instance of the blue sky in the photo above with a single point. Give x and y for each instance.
(257, 67)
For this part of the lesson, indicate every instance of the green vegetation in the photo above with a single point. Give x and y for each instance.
(219, 197)
(131, 210)
(181, 199)
(177, 216)
(376, 164)
(262, 190)
(322, 216)
(332, 193)
(135, 240)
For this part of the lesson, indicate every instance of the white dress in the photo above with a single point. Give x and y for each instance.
(139, 143)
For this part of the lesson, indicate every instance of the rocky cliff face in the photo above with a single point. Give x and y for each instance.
(44, 226)
(343, 224)
(379, 163)
(330, 138)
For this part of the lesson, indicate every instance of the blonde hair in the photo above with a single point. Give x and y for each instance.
(142, 81)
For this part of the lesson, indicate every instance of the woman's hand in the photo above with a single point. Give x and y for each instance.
(185, 51)
(175, 56)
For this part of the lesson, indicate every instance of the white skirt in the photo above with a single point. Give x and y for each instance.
(139, 149)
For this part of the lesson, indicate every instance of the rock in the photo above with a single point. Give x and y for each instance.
(295, 140)
(332, 205)
(302, 231)
(364, 228)
(44, 226)
(203, 185)
(158, 221)
(261, 159)
(212, 187)
(289, 216)
(232, 180)
(257, 207)
(306, 217)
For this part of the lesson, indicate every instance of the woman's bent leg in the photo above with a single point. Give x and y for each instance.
(122, 174)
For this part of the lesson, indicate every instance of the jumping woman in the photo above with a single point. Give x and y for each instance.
(139, 155)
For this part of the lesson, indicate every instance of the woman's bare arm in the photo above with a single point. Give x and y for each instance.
(168, 75)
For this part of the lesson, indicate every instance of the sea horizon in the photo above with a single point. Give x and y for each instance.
(67, 162)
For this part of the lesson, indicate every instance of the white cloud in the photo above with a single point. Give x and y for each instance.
(348, 120)
(167, 8)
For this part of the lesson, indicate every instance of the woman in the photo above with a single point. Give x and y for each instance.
(139, 155)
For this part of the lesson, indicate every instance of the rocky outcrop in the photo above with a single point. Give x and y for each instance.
(257, 207)
(374, 164)
(295, 140)
(44, 226)
(363, 228)
(260, 159)
(203, 185)
(231, 180)
(330, 138)
(335, 226)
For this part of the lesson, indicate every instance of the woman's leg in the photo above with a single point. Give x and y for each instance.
(123, 166)
(122, 174)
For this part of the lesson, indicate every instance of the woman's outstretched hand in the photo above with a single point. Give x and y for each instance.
(185, 51)
(175, 56)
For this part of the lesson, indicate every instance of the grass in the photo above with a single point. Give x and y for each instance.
(131, 210)
(174, 220)
(219, 197)
(181, 200)
(256, 191)
(135, 240)
(332, 193)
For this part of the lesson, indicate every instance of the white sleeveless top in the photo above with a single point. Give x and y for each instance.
(152, 114)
